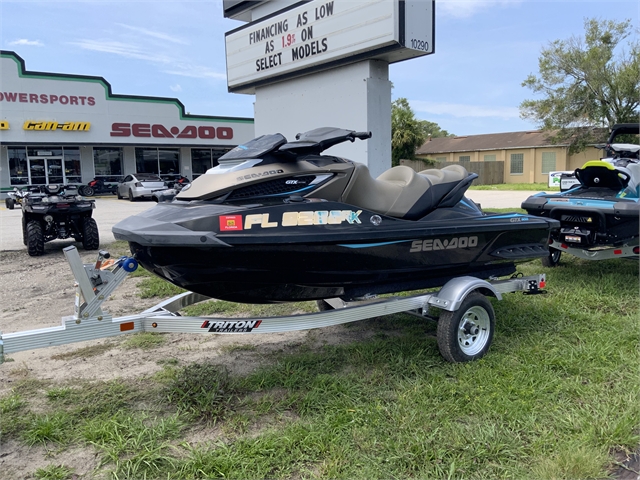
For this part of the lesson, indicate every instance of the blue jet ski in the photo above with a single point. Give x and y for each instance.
(599, 218)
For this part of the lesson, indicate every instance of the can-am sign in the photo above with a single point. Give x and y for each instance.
(323, 34)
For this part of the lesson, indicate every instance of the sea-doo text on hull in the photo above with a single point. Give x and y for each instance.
(600, 218)
(277, 221)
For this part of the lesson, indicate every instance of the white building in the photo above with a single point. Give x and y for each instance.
(68, 129)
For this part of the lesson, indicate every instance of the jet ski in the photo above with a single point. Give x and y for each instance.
(599, 218)
(278, 221)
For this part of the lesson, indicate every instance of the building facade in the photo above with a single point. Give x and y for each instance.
(69, 129)
(528, 156)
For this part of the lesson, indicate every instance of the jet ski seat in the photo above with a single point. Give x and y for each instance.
(401, 191)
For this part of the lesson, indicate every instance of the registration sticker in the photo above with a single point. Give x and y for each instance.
(230, 223)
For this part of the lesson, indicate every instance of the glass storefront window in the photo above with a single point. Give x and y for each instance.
(161, 161)
(107, 163)
(202, 159)
(39, 165)
(72, 164)
(18, 167)
(169, 161)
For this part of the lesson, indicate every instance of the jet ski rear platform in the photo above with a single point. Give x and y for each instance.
(599, 218)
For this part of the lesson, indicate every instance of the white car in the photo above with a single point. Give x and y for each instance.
(139, 185)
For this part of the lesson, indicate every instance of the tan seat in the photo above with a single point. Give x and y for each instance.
(401, 191)
(393, 193)
(451, 173)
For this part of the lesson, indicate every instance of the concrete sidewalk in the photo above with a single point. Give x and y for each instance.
(109, 211)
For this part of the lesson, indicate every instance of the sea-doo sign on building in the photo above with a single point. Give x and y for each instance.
(68, 129)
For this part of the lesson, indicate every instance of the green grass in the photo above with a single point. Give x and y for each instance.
(534, 187)
(554, 398)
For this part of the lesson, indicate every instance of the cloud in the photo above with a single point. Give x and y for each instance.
(151, 33)
(168, 64)
(123, 49)
(175, 88)
(468, 8)
(461, 110)
(27, 43)
(194, 71)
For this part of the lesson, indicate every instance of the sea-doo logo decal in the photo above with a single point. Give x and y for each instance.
(161, 131)
(224, 326)
(443, 244)
(259, 175)
(299, 219)
(230, 223)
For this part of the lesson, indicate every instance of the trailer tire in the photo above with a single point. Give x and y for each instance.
(553, 259)
(10, 203)
(35, 239)
(90, 234)
(466, 334)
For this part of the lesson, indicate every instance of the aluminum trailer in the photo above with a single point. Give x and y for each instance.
(464, 332)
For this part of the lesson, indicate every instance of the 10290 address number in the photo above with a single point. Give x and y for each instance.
(419, 45)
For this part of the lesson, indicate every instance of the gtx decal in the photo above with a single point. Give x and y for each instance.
(443, 244)
(299, 219)
(231, 327)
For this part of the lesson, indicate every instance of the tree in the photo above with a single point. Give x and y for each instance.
(587, 85)
(408, 133)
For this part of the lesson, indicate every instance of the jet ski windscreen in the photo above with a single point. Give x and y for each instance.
(256, 148)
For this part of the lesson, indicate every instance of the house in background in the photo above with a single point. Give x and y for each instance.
(528, 156)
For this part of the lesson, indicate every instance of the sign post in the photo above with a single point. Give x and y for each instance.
(325, 63)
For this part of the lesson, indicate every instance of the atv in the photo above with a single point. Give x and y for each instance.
(15, 197)
(55, 211)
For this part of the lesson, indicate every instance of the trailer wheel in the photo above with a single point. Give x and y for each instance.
(35, 239)
(466, 334)
(553, 259)
(10, 203)
(90, 234)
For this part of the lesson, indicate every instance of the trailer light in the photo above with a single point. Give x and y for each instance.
(636, 250)
(154, 325)
(125, 327)
(542, 284)
(617, 252)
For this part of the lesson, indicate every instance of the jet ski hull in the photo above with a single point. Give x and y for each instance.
(589, 218)
(314, 250)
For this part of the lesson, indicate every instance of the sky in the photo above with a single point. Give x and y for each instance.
(472, 84)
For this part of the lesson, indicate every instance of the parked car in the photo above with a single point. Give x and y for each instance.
(139, 185)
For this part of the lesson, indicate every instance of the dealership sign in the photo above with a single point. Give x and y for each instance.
(323, 34)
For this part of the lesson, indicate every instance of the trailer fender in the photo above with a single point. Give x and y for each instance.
(451, 296)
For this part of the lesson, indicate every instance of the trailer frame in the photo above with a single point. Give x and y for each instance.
(466, 336)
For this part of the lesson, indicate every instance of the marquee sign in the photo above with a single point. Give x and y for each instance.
(322, 34)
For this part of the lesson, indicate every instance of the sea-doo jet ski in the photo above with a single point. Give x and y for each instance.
(277, 221)
(600, 217)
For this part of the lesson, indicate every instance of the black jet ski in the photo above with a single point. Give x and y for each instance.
(277, 221)
(603, 210)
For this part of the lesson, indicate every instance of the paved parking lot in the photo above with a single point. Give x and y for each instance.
(109, 211)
